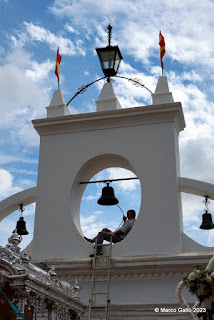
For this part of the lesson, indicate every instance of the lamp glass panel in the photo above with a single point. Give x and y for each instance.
(117, 62)
(107, 59)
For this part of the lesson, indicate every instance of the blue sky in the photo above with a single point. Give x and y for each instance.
(30, 33)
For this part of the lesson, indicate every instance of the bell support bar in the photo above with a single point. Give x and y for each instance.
(109, 180)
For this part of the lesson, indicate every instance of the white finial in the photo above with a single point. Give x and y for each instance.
(162, 94)
(57, 106)
(13, 242)
(107, 99)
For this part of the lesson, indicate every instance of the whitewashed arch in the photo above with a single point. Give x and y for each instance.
(10, 204)
(196, 187)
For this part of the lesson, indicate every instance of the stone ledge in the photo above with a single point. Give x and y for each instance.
(113, 119)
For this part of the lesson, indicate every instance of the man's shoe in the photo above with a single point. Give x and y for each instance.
(89, 240)
(97, 254)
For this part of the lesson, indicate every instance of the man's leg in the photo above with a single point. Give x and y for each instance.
(106, 235)
(104, 230)
(94, 239)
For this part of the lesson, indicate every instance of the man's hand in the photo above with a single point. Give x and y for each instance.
(118, 232)
(124, 218)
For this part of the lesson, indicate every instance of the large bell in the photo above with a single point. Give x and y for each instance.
(107, 198)
(207, 222)
(21, 227)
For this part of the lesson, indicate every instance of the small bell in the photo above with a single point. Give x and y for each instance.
(207, 222)
(107, 198)
(21, 227)
(21, 224)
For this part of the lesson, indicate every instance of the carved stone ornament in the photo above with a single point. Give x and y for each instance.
(38, 289)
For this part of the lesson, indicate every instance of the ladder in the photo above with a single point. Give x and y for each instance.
(96, 267)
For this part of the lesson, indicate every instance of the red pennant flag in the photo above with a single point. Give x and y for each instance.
(58, 60)
(162, 48)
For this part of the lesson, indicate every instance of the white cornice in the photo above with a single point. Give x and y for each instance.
(113, 119)
(138, 267)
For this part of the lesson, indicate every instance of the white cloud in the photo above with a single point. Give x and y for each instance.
(6, 158)
(70, 29)
(6, 184)
(66, 46)
(93, 224)
(90, 197)
(197, 159)
(40, 71)
(86, 220)
(192, 76)
(125, 185)
(27, 135)
(192, 209)
(23, 171)
(18, 92)
(90, 225)
(140, 22)
(68, 8)
(23, 95)
(5, 180)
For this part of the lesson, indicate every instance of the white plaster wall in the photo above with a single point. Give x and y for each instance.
(123, 291)
(148, 149)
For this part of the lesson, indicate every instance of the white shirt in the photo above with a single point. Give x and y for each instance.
(126, 227)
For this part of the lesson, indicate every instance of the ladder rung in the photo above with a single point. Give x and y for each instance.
(100, 280)
(97, 306)
(100, 268)
(101, 256)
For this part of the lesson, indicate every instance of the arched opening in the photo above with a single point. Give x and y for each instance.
(83, 196)
(193, 209)
(94, 217)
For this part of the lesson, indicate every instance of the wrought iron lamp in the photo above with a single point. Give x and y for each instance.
(207, 222)
(110, 57)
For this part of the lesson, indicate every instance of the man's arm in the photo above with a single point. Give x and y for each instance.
(118, 232)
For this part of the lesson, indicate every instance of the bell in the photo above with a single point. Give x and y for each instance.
(207, 222)
(21, 227)
(107, 198)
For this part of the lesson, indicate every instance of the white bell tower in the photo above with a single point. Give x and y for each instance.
(74, 148)
(148, 264)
